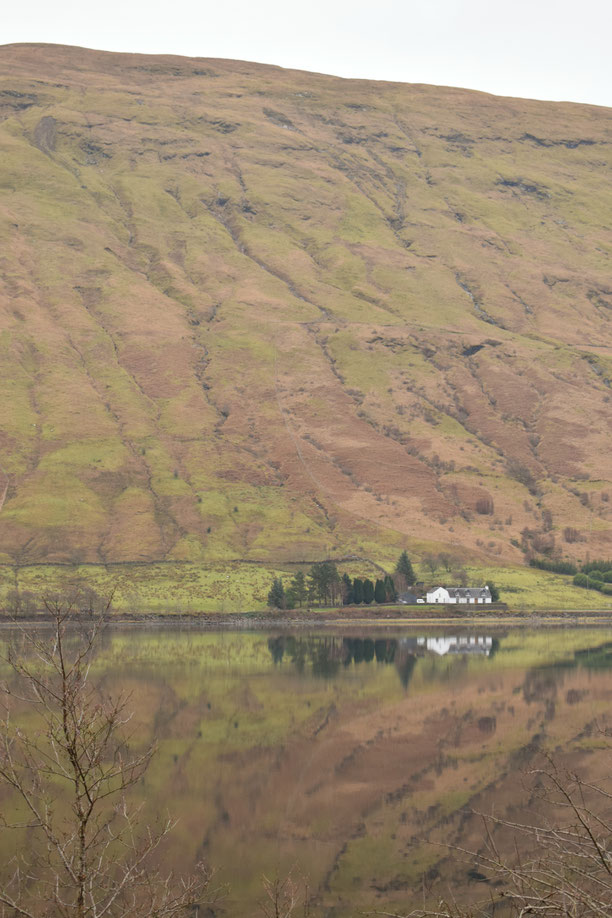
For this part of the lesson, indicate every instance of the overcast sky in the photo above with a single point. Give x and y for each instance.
(542, 49)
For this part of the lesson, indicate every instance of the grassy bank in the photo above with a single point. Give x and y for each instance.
(238, 586)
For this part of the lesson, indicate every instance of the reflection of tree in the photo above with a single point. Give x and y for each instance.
(325, 655)
(356, 647)
(405, 666)
(296, 650)
(276, 646)
(325, 658)
(384, 651)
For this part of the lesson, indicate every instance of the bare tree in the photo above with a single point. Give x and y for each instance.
(70, 773)
(559, 869)
(432, 563)
(285, 896)
(446, 560)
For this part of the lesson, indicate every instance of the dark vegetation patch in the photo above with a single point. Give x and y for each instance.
(279, 119)
(224, 127)
(93, 150)
(471, 350)
(569, 144)
(457, 137)
(13, 101)
(352, 138)
(600, 298)
(554, 566)
(533, 188)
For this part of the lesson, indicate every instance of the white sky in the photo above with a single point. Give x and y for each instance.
(543, 49)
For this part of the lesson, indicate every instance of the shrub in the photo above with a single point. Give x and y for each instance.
(543, 542)
(523, 475)
(596, 575)
(556, 567)
(589, 566)
(485, 506)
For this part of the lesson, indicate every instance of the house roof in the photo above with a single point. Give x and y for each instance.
(466, 592)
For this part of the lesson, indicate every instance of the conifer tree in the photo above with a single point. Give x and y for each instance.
(390, 591)
(357, 591)
(404, 567)
(276, 596)
(324, 580)
(348, 597)
(298, 589)
(368, 591)
(379, 591)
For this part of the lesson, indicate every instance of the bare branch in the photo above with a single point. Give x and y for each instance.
(97, 863)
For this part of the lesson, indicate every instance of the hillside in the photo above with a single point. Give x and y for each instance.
(252, 313)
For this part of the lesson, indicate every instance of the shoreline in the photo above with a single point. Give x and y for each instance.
(335, 619)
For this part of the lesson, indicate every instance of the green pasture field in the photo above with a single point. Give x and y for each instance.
(227, 587)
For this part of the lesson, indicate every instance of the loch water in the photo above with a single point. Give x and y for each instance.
(352, 759)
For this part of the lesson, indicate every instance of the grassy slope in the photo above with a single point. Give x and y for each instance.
(235, 303)
(231, 587)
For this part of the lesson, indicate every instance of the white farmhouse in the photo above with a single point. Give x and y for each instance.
(475, 595)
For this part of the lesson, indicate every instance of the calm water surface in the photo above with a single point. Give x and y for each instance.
(347, 757)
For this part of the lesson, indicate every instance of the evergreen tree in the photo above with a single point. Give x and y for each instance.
(276, 596)
(298, 590)
(493, 590)
(290, 598)
(357, 591)
(379, 591)
(404, 567)
(368, 591)
(324, 580)
(348, 597)
(390, 591)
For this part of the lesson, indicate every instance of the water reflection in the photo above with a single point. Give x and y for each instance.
(323, 656)
(595, 657)
(355, 756)
(455, 644)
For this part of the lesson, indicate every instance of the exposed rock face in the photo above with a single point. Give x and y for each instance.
(257, 313)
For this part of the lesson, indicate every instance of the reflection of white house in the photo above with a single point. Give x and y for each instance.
(460, 594)
(452, 644)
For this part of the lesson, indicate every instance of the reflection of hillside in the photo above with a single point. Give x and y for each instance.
(595, 657)
(306, 750)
